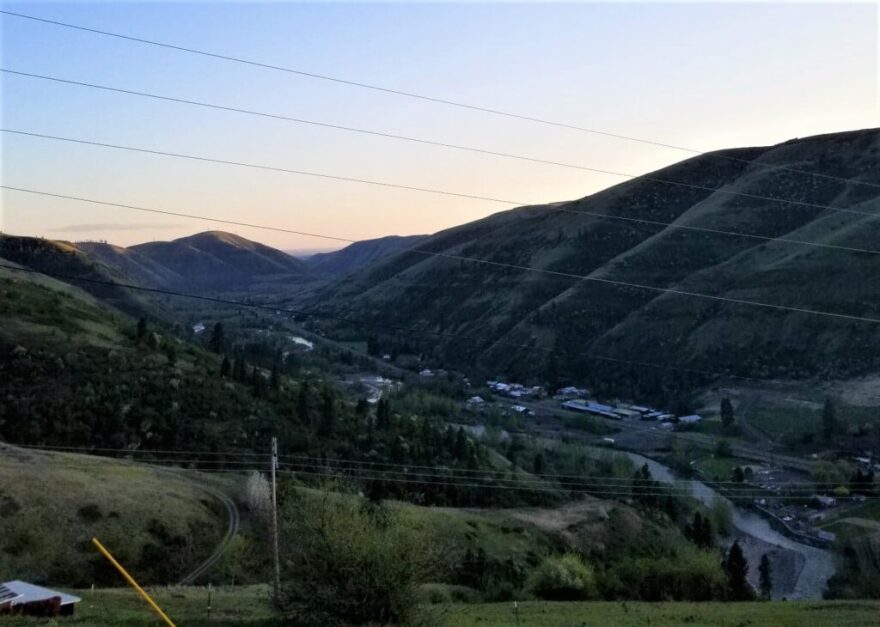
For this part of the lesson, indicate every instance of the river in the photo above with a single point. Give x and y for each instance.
(818, 563)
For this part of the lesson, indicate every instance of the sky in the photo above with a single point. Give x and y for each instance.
(699, 75)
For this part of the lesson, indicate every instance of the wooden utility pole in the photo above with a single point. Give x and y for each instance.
(277, 578)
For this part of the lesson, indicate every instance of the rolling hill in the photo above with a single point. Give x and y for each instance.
(209, 261)
(551, 325)
(64, 258)
(359, 255)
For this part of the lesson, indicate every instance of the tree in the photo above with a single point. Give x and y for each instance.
(217, 338)
(275, 378)
(239, 369)
(383, 414)
(171, 354)
(538, 464)
(829, 420)
(302, 402)
(225, 367)
(727, 418)
(565, 578)
(766, 583)
(328, 412)
(736, 567)
(342, 564)
(738, 475)
(141, 329)
(362, 408)
(723, 449)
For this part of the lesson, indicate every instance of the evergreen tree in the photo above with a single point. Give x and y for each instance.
(383, 414)
(538, 464)
(171, 354)
(302, 402)
(829, 420)
(766, 583)
(225, 367)
(328, 412)
(362, 408)
(141, 329)
(217, 338)
(738, 475)
(736, 567)
(275, 379)
(727, 417)
(239, 370)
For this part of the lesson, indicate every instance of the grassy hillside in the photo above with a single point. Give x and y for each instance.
(360, 255)
(220, 261)
(159, 524)
(506, 313)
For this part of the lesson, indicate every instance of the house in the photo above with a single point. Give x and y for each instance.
(597, 409)
(825, 501)
(427, 373)
(626, 413)
(198, 328)
(692, 419)
(571, 392)
(25, 598)
(475, 400)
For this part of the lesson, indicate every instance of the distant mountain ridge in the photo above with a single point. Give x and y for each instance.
(359, 255)
(213, 261)
(546, 326)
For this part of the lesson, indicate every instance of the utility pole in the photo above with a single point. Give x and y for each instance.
(277, 579)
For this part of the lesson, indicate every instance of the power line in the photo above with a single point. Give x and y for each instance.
(596, 279)
(379, 466)
(412, 188)
(671, 225)
(646, 177)
(437, 100)
(649, 488)
(275, 309)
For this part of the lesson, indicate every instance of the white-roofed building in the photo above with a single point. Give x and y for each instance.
(21, 594)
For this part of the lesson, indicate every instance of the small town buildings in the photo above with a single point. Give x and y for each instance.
(597, 409)
(19, 597)
(692, 419)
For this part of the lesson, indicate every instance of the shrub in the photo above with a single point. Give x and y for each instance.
(343, 564)
(565, 578)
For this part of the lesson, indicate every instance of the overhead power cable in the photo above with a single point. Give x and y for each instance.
(386, 135)
(427, 98)
(350, 179)
(670, 225)
(595, 279)
(374, 465)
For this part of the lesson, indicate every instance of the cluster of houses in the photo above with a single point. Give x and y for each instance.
(516, 390)
(623, 411)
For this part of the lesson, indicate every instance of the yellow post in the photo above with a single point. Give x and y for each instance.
(132, 582)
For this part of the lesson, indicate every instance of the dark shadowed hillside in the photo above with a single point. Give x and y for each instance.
(360, 255)
(221, 261)
(66, 259)
(550, 327)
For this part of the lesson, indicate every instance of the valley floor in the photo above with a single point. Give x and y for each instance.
(250, 606)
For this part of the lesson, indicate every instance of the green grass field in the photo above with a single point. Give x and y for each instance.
(775, 614)
(51, 504)
(252, 606)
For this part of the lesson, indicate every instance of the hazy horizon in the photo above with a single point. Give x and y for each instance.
(662, 72)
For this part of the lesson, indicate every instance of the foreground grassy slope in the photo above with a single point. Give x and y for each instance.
(158, 523)
(251, 606)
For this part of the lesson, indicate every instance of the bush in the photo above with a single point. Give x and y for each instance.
(345, 564)
(565, 578)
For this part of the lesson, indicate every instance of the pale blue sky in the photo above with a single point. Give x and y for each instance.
(700, 75)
